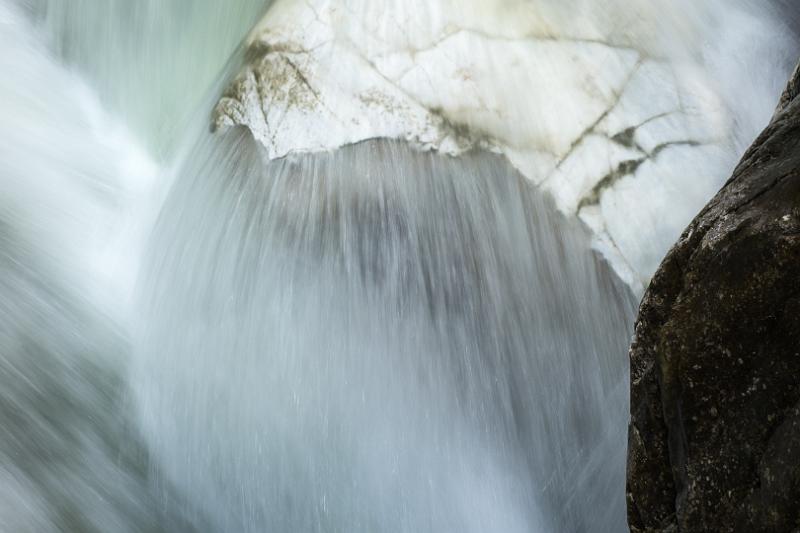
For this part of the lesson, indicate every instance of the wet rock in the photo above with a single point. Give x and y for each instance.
(714, 439)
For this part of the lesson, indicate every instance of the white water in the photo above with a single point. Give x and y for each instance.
(370, 340)
(403, 341)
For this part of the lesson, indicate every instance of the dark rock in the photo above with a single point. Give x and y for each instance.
(714, 439)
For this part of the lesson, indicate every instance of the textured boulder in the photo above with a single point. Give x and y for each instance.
(624, 114)
(714, 439)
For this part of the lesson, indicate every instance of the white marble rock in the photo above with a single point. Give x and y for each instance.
(596, 104)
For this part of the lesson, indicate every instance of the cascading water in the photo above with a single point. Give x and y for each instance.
(385, 327)
(197, 337)
(150, 61)
(76, 194)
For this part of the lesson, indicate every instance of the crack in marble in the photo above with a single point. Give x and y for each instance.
(462, 134)
(261, 98)
(592, 128)
(413, 51)
(629, 167)
(301, 76)
(310, 5)
(627, 137)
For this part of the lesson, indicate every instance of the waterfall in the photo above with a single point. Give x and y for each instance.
(199, 334)
(409, 342)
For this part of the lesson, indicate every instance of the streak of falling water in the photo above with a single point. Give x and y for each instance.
(373, 340)
(75, 190)
(380, 339)
(151, 61)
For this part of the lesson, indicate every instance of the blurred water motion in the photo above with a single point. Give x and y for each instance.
(403, 342)
(76, 190)
(150, 61)
(194, 338)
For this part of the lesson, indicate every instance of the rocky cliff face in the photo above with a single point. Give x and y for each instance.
(714, 439)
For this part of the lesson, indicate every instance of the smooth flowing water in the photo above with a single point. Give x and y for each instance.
(400, 341)
(76, 196)
(194, 338)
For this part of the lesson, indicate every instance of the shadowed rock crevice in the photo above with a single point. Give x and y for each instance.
(714, 439)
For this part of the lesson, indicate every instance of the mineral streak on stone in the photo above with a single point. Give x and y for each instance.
(714, 438)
